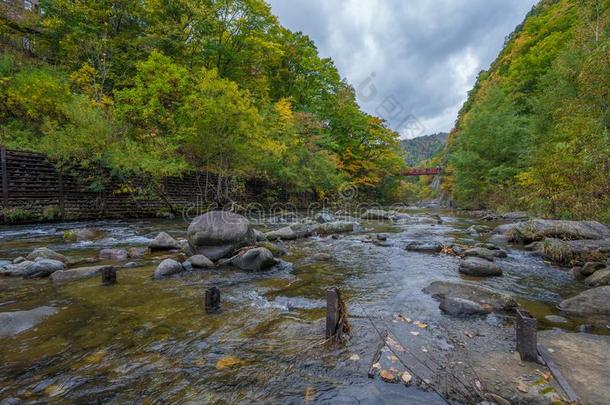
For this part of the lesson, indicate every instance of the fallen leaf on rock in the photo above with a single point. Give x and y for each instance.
(469, 334)
(376, 366)
(354, 357)
(546, 376)
(422, 325)
(401, 318)
(387, 376)
(393, 344)
(310, 394)
(200, 362)
(393, 358)
(415, 333)
(227, 362)
(522, 387)
(406, 378)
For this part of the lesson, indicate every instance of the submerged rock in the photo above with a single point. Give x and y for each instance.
(81, 234)
(472, 292)
(335, 227)
(83, 273)
(136, 253)
(45, 253)
(43, 268)
(477, 267)
(114, 254)
(257, 259)
(13, 323)
(164, 241)
(201, 262)
(218, 234)
(168, 267)
(424, 247)
(275, 248)
(599, 278)
(591, 302)
(292, 232)
(15, 270)
(486, 254)
(463, 307)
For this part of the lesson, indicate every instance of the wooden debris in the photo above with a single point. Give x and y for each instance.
(337, 325)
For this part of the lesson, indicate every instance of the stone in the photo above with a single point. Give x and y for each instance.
(257, 259)
(590, 268)
(477, 267)
(574, 251)
(599, 278)
(595, 301)
(16, 270)
(19, 259)
(322, 257)
(330, 228)
(576, 273)
(539, 229)
(201, 262)
(462, 307)
(424, 247)
(324, 217)
(516, 216)
(292, 232)
(45, 253)
(260, 236)
(83, 273)
(13, 323)
(136, 253)
(218, 234)
(377, 214)
(275, 248)
(43, 268)
(113, 254)
(489, 246)
(187, 266)
(164, 241)
(486, 254)
(130, 265)
(472, 292)
(166, 268)
(556, 319)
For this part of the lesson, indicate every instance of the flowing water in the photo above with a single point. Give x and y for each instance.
(150, 341)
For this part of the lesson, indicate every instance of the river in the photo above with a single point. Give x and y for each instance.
(150, 341)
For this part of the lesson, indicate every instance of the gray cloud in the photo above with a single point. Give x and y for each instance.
(421, 56)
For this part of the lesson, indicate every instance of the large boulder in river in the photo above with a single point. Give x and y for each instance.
(471, 292)
(15, 270)
(330, 228)
(599, 278)
(164, 241)
(43, 268)
(168, 267)
(257, 259)
(218, 234)
(292, 232)
(569, 251)
(45, 253)
(13, 323)
(83, 273)
(591, 302)
(463, 307)
(477, 267)
(539, 229)
(201, 262)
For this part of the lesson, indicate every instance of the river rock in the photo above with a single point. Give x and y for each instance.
(424, 247)
(377, 214)
(574, 251)
(16, 270)
(485, 253)
(324, 217)
(218, 234)
(292, 232)
(260, 236)
(64, 276)
(43, 268)
(595, 301)
(19, 259)
(330, 228)
(323, 257)
(599, 278)
(472, 292)
(556, 319)
(113, 254)
(201, 262)
(168, 267)
(462, 307)
(589, 268)
(257, 259)
(275, 248)
(539, 229)
(477, 267)
(45, 253)
(164, 241)
(516, 216)
(136, 253)
(13, 323)
(489, 246)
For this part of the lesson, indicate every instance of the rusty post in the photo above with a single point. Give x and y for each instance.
(212, 300)
(332, 312)
(527, 338)
(108, 276)
(3, 167)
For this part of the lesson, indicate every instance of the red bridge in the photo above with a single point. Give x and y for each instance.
(424, 171)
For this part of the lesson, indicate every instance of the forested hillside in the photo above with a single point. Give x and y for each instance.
(534, 133)
(424, 147)
(161, 88)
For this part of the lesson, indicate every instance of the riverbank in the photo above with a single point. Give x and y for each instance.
(145, 338)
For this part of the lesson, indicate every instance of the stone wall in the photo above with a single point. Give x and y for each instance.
(34, 189)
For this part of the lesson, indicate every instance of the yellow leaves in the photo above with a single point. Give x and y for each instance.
(227, 362)
(406, 378)
(310, 394)
(388, 376)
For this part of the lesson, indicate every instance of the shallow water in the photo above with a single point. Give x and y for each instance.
(150, 341)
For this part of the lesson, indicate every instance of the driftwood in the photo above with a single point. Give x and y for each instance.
(377, 354)
(337, 326)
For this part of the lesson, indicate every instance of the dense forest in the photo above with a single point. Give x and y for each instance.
(423, 148)
(160, 88)
(534, 133)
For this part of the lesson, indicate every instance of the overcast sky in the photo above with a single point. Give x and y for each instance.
(411, 61)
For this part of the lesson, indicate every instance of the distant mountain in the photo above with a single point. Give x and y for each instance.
(424, 147)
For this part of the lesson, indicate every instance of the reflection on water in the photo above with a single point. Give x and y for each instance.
(151, 341)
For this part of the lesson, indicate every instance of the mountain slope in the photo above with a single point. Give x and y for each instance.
(424, 147)
(534, 132)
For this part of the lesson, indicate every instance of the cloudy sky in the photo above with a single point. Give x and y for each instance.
(411, 61)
